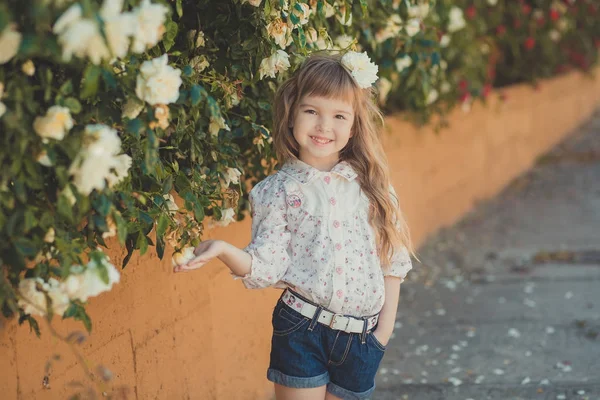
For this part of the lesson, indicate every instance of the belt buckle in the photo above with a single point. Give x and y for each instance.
(333, 321)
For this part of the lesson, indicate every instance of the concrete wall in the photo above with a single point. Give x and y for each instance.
(203, 336)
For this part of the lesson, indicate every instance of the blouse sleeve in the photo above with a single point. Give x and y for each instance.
(270, 236)
(400, 262)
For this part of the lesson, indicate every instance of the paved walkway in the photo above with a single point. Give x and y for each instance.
(506, 304)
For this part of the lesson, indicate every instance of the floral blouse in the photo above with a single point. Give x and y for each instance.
(310, 232)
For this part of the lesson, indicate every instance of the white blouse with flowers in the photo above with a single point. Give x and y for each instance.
(310, 232)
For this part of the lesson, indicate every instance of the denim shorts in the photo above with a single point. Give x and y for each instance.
(308, 354)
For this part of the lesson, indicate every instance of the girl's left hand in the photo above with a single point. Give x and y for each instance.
(381, 337)
(204, 252)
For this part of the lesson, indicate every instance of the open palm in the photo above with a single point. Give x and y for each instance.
(204, 252)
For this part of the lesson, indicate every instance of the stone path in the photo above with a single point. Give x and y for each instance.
(506, 303)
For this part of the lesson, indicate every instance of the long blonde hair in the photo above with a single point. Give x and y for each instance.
(324, 75)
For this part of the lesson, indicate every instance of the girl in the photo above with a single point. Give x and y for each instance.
(327, 229)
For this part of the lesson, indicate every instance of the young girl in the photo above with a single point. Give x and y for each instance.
(327, 229)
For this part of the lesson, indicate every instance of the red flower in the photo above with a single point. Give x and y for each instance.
(500, 30)
(464, 97)
(526, 9)
(554, 14)
(529, 43)
(487, 88)
(593, 9)
(471, 12)
(463, 85)
(517, 23)
(541, 21)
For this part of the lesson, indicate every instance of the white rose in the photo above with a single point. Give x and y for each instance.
(227, 217)
(311, 35)
(554, 35)
(432, 96)
(391, 29)
(183, 256)
(413, 26)
(446, 87)
(157, 82)
(384, 86)
(563, 25)
(216, 124)
(96, 161)
(232, 176)
(49, 236)
(344, 41)
(303, 14)
(445, 41)
(28, 68)
(419, 11)
(119, 30)
(457, 20)
(60, 299)
(112, 228)
(68, 193)
(277, 62)
(361, 68)
(342, 19)
(132, 108)
(73, 14)
(403, 63)
(10, 40)
(120, 169)
(83, 38)
(88, 284)
(149, 25)
(324, 42)
(329, 10)
(170, 203)
(55, 124)
(492, 2)
(43, 158)
(33, 301)
(280, 32)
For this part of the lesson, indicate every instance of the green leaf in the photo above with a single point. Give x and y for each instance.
(160, 248)
(179, 8)
(73, 104)
(161, 226)
(196, 94)
(26, 247)
(170, 34)
(89, 82)
(121, 227)
(66, 88)
(142, 243)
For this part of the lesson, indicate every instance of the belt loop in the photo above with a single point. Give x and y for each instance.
(364, 332)
(315, 318)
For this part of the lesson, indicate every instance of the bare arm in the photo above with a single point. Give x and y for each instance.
(387, 315)
(237, 260)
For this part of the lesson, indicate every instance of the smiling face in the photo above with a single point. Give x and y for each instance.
(322, 128)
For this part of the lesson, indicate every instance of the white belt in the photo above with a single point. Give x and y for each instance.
(334, 321)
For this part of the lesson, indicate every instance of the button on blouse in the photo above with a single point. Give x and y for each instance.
(310, 231)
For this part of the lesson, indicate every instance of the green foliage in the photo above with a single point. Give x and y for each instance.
(191, 146)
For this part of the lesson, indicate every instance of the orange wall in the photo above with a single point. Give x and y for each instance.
(201, 335)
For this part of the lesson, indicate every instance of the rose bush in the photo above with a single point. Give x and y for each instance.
(110, 110)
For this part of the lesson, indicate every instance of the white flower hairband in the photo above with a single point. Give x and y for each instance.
(361, 68)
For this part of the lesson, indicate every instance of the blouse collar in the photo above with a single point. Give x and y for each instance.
(303, 172)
